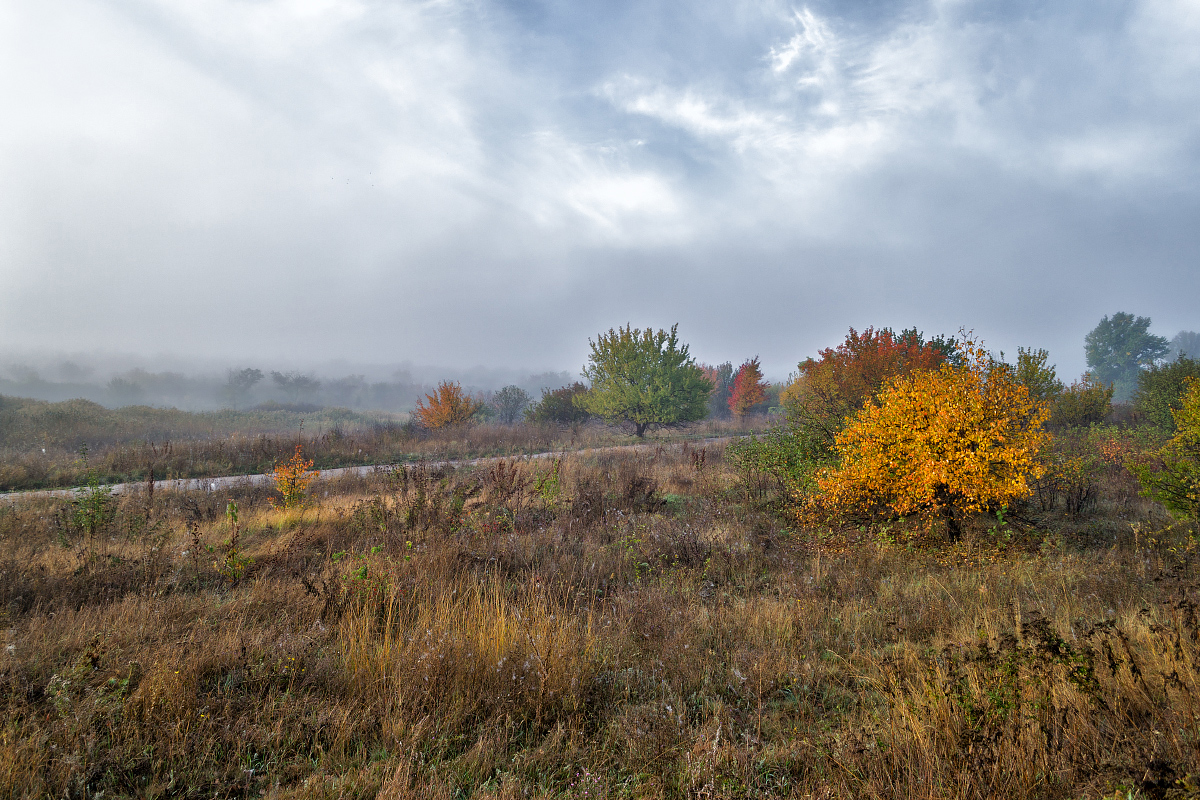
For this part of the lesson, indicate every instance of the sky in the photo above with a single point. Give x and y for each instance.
(493, 182)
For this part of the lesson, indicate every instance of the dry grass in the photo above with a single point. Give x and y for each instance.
(642, 628)
(130, 450)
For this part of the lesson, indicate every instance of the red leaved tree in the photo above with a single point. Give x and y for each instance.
(749, 389)
(857, 368)
(838, 383)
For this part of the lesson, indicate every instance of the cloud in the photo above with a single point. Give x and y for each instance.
(449, 180)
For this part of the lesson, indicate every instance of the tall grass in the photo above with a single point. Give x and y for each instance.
(648, 629)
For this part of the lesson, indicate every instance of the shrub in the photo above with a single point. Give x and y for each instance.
(1160, 391)
(94, 510)
(510, 402)
(292, 478)
(778, 459)
(1176, 481)
(559, 406)
(938, 444)
(1084, 402)
(1073, 465)
(446, 407)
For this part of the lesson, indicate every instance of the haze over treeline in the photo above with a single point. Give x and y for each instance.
(116, 381)
(198, 385)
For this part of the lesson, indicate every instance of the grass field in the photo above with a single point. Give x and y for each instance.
(51, 445)
(625, 625)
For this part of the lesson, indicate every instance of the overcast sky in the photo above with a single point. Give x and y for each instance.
(473, 182)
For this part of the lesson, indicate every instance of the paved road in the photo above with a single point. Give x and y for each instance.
(228, 481)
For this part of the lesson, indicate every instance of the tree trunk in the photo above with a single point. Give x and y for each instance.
(952, 527)
(946, 501)
(641, 428)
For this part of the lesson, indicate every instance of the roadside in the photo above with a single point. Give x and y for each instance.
(219, 483)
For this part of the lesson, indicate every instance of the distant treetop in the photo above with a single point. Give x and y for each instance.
(1119, 348)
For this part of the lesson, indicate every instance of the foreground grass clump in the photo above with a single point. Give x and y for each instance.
(633, 625)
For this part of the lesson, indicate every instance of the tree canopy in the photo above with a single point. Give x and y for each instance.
(1034, 374)
(1120, 347)
(1160, 391)
(510, 402)
(749, 389)
(721, 377)
(644, 377)
(238, 384)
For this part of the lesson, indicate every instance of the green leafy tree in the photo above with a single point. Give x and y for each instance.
(1033, 373)
(644, 377)
(1119, 348)
(1161, 388)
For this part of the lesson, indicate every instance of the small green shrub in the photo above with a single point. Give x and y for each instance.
(93, 510)
(1160, 391)
(780, 462)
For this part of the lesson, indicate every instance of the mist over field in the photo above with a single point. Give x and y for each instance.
(116, 381)
(486, 185)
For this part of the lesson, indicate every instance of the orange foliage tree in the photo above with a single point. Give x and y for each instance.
(446, 407)
(938, 444)
(748, 388)
(292, 478)
(832, 387)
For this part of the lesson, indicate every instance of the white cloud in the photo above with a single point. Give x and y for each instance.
(813, 49)
(597, 193)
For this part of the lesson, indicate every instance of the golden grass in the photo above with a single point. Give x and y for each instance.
(650, 632)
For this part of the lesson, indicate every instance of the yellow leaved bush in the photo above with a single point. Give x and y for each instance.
(938, 444)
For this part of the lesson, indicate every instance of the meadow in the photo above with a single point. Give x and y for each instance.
(647, 623)
(53, 445)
